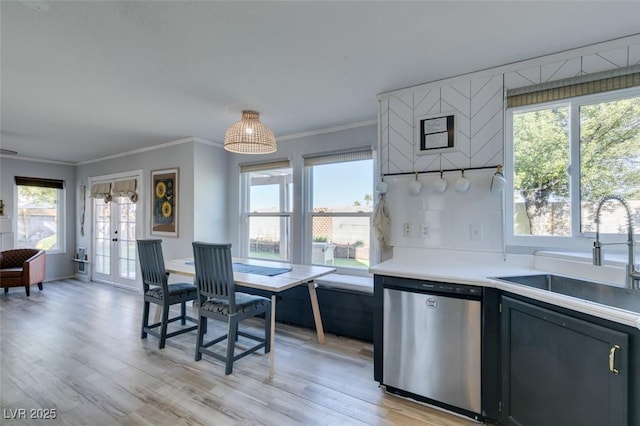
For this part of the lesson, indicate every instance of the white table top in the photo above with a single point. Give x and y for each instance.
(299, 274)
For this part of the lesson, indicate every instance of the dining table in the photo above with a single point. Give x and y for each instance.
(272, 277)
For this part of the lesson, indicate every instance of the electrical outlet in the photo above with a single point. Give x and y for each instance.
(475, 231)
(406, 230)
(425, 230)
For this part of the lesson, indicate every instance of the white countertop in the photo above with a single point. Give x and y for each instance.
(477, 268)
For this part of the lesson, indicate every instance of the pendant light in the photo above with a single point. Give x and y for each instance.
(249, 136)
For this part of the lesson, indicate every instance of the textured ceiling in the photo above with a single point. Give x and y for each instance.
(88, 79)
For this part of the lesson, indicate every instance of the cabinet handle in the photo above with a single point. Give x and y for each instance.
(612, 359)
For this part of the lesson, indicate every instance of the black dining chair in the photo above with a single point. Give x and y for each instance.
(219, 300)
(158, 291)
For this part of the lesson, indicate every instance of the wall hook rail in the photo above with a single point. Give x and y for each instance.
(441, 171)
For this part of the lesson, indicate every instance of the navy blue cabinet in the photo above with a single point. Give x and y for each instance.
(561, 370)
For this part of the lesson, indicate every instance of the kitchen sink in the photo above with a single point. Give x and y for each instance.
(618, 297)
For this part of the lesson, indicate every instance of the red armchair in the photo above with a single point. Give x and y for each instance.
(22, 268)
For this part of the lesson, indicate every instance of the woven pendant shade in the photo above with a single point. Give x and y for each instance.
(249, 136)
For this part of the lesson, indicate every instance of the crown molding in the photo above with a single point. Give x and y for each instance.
(38, 160)
(328, 130)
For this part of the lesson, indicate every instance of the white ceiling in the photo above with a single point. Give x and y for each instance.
(88, 79)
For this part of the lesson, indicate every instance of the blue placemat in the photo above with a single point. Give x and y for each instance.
(259, 270)
(254, 269)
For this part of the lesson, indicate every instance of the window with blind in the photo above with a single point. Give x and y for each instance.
(266, 209)
(39, 213)
(340, 206)
(571, 146)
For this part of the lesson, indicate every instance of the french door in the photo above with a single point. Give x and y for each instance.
(115, 226)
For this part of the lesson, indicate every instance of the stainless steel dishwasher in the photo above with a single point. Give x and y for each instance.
(432, 343)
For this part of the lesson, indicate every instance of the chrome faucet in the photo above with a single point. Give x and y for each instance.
(633, 276)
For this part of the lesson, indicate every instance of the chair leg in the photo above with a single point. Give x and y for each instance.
(40, 286)
(6, 289)
(163, 326)
(232, 335)
(27, 288)
(183, 313)
(202, 329)
(145, 319)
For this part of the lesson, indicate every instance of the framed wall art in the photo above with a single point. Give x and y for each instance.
(164, 202)
(435, 133)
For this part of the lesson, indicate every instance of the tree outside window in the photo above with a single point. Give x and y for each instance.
(605, 138)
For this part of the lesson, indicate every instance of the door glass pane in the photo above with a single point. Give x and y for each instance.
(102, 236)
(609, 163)
(269, 237)
(126, 238)
(541, 184)
(341, 241)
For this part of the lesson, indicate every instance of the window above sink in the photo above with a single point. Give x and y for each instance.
(563, 157)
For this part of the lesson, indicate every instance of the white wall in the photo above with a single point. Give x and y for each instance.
(59, 265)
(211, 208)
(477, 99)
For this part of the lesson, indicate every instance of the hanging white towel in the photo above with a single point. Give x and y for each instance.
(382, 223)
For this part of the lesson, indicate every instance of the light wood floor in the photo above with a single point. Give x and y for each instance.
(75, 347)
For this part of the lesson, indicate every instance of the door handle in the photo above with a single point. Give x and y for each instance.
(612, 359)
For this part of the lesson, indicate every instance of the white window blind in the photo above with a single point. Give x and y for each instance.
(338, 157)
(126, 188)
(606, 81)
(101, 190)
(256, 167)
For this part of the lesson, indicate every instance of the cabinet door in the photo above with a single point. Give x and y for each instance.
(559, 370)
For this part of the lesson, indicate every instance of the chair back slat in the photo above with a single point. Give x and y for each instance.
(152, 264)
(214, 271)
